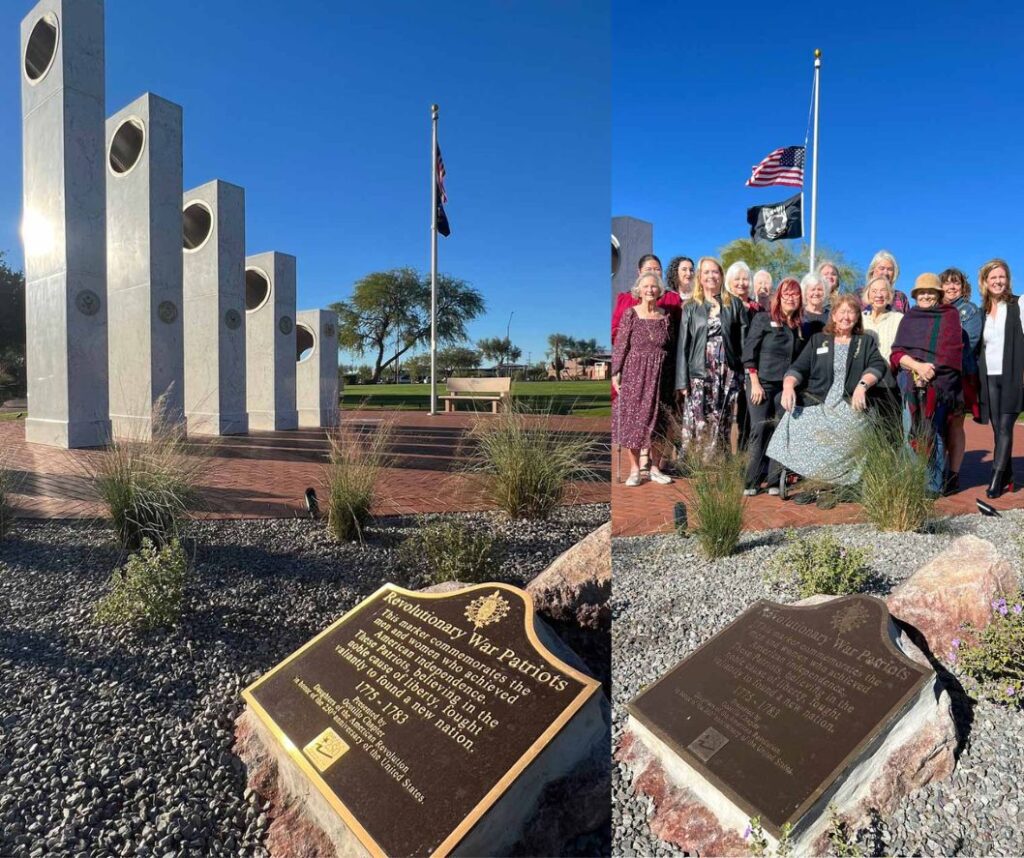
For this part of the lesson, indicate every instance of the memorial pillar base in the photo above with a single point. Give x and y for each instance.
(273, 421)
(200, 423)
(129, 427)
(318, 418)
(67, 434)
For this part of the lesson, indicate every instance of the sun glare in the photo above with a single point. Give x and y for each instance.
(36, 234)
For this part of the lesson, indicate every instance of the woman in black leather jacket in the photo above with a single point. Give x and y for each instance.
(709, 365)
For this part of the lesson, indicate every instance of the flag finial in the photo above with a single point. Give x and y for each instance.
(817, 53)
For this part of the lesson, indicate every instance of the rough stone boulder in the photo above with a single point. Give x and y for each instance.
(576, 587)
(955, 587)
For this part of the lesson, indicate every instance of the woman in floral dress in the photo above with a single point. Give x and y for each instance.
(709, 366)
(637, 359)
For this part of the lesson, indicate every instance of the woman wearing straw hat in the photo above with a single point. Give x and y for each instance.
(927, 356)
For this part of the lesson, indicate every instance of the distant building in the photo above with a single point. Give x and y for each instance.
(594, 368)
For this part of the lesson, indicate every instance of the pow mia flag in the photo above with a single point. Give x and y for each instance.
(776, 220)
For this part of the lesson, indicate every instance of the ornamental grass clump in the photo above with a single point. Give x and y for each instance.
(355, 463)
(452, 550)
(716, 488)
(820, 564)
(894, 478)
(149, 486)
(992, 658)
(526, 467)
(6, 508)
(149, 590)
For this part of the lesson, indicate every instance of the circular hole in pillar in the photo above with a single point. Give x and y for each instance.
(41, 48)
(126, 146)
(305, 342)
(197, 224)
(257, 289)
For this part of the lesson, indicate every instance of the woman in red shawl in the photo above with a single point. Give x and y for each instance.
(927, 355)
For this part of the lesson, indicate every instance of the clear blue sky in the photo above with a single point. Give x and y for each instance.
(920, 129)
(323, 115)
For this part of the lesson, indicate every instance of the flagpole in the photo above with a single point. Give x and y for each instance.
(433, 258)
(814, 159)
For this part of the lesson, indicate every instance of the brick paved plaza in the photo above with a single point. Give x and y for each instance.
(648, 508)
(264, 474)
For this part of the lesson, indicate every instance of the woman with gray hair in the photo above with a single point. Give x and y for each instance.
(884, 264)
(645, 334)
(816, 296)
(738, 284)
(882, 322)
(828, 271)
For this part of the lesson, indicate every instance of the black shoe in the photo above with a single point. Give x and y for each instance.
(951, 485)
(827, 500)
(997, 485)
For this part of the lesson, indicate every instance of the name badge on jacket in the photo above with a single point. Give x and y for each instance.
(823, 350)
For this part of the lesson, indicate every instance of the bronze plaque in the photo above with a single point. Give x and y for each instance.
(414, 712)
(774, 707)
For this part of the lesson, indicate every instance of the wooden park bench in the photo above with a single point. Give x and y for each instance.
(497, 391)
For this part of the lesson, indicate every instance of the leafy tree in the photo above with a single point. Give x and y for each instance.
(12, 330)
(389, 313)
(501, 350)
(418, 366)
(455, 359)
(558, 345)
(582, 350)
(780, 259)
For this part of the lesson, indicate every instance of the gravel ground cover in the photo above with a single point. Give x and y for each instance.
(116, 743)
(667, 600)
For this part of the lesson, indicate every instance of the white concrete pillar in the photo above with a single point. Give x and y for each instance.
(144, 267)
(270, 341)
(214, 304)
(316, 368)
(64, 223)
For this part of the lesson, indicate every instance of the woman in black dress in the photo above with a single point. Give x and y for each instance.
(773, 342)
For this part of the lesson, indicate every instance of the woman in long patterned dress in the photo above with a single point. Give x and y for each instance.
(824, 394)
(709, 369)
(637, 359)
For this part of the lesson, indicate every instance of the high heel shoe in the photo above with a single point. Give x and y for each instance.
(1000, 483)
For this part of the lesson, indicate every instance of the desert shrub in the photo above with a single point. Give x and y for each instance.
(716, 498)
(353, 471)
(894, 479)
(6, 509)
(149, 485)
(525, 466)
(452, 551)
(149, 590)
(820, 564)
(842, 841)
(992, 659)
(757, 842)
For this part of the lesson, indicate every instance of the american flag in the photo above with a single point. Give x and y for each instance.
(440, 176)
(784, 166)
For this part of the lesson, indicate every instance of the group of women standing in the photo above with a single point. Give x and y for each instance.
(796, 370)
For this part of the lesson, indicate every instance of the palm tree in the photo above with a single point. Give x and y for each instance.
(558, 345)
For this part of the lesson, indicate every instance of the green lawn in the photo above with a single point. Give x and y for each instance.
(587, 398)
